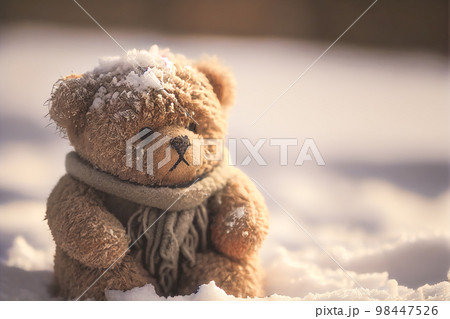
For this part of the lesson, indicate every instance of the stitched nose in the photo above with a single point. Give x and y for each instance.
(180, 144)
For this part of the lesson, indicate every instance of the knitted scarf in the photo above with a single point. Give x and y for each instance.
(170, 223)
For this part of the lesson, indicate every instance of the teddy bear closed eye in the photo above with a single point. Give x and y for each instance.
(121, 221)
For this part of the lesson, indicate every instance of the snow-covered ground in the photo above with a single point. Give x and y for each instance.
(380, 206)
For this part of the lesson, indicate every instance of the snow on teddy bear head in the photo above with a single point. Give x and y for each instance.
(153, 91)
(136, 72)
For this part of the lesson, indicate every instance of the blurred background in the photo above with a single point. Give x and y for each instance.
(376, 105)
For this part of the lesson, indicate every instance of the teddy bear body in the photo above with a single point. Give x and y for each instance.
(184, 225)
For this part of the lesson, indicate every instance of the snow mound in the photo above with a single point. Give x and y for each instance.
(147, 292)
(26, 257)
(210, 292)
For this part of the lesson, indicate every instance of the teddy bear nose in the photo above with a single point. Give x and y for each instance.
(180, 144)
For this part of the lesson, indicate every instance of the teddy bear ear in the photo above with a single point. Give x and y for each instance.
(69, 102)
(221, 79)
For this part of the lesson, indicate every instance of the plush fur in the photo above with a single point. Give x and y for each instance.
(90, 238)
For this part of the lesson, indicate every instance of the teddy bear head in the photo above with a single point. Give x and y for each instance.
(138, 117)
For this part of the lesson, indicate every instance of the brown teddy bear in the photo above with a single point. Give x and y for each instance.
(115, 225)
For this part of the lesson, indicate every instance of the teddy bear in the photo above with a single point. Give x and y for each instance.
(177, 221)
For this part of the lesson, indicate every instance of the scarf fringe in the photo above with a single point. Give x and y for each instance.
(168, 241)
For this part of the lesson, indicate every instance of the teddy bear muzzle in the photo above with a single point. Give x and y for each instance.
(180, 144)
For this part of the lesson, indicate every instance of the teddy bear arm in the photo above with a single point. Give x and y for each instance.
(82, 226)
(239, 219)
